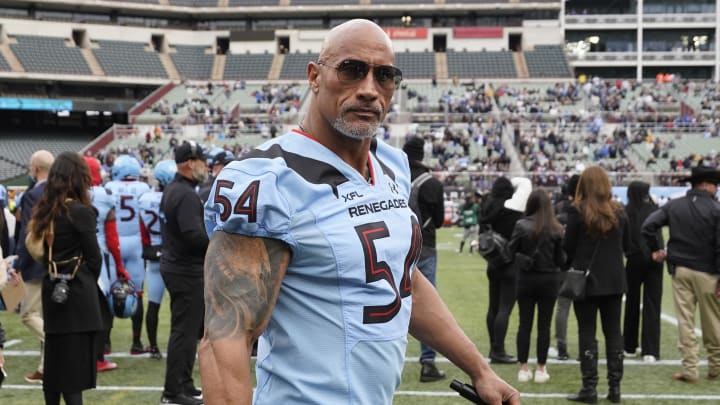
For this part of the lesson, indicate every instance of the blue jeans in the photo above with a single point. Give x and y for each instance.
(428, 267)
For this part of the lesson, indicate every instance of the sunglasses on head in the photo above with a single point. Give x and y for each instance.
(353, 71)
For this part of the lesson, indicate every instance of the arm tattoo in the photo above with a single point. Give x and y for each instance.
(242, 281)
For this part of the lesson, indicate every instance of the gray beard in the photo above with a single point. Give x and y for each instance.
(354, 132)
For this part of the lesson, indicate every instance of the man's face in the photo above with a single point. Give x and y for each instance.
(199, 170)
(354, 86)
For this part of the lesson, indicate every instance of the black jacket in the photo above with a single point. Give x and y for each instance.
(75, 234)
(431, 200)
(547, 250)
(183, 230)
(499, 218)
(25, 264)
(607, 270)
(694, 222)
(638, 208)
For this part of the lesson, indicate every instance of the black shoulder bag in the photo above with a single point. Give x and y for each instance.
(575, 280)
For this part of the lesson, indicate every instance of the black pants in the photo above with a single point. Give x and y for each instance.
(502, 299)
(187, 309)
(526, 307)
(586, 311)
(648, 276)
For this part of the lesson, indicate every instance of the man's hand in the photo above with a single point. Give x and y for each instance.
(122, 274)
(15, 277)
(659, 255)
(495, 391)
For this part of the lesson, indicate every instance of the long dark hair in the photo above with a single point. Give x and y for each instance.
(539, 205)
(68, 180)
(593, 199)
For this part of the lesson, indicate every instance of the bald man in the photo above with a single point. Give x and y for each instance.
(31, 271)
(313, 250)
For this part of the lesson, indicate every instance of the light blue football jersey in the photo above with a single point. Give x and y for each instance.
(339, 329)
(104, 202)
(149, 204)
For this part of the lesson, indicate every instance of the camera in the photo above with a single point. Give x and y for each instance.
(60, 292)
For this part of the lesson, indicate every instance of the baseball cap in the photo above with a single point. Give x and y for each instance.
(188, 150)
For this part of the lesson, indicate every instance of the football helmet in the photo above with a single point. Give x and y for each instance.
(165, 172)
(123, 299)
(125, 166)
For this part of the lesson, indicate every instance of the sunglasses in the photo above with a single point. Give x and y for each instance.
(352, 71)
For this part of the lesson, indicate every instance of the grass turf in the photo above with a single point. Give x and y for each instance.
(463, 285)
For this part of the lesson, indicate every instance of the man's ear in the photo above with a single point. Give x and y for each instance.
(313, 72)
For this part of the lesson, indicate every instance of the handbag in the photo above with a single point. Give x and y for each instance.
(35, 243)
(576, 280)
(493, 247)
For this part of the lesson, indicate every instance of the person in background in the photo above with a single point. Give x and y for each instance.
(431, 204)
(112, 267)
(693, 259)
(149, 204)
(502, 279)
(219, 160)
(184, 242)
(596, 238)
(536, 244)
(31, 311)
(5, 230)
(469, 217)
(644, 273)
(562, 311)
(314, 247)
(70, 293)
(127, 188)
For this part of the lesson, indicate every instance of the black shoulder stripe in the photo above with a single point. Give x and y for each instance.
(386, 170)
(312, 170)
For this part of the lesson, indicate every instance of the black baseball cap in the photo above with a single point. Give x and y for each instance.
(189, 150)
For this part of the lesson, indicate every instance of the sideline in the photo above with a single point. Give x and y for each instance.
(700, 397)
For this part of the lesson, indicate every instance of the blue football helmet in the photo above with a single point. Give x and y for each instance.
(125, 166)
(210, 155)
(123, 299)
(165, 172)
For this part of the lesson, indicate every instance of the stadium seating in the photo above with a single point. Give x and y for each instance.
(416, 65)
(295, 65)
(235, 3)
(247, 66)
(499, 64)
(49, 55)
(547, 61)
(18, 147)
(192, 62)
(4, 67)
(194, 3)
(123, 58)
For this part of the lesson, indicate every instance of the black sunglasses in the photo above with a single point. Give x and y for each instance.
(352, 71)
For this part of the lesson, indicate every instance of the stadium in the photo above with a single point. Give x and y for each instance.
(540, 89)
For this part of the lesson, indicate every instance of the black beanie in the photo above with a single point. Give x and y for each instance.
(415, 149)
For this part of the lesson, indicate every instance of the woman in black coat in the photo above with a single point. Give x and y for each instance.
(596, 237)
(501, 279)
(536, 245)
(642, 273)
(70, 295)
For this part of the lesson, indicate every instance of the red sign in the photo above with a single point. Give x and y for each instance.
(478, 32)
(407, 33)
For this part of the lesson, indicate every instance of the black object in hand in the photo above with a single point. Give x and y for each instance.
(468, 392)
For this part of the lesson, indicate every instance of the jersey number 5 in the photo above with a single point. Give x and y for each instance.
(379, 270)
(246, 204)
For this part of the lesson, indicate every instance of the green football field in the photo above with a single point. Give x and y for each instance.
(463, 285)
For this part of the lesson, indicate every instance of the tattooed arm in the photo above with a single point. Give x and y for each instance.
(242, 280)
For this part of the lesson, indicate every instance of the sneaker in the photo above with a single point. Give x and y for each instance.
(683, 378)
(630, 355)
(541, 376)
(649, 358)
(180, 399)
(137, 348)
(552, 352)
(713, 377)
(106, 366)
(525, 375)
(35, 377)
(155, 353)
(430, 373)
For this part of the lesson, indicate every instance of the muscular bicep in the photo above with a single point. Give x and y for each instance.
(242, 280)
